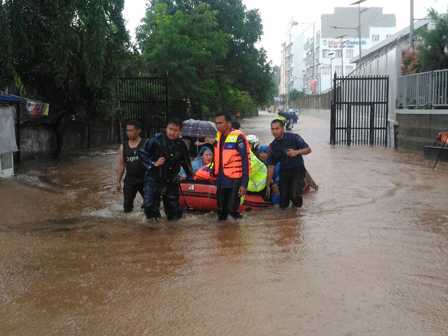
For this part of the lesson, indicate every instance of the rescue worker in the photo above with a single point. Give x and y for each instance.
(288, 149)
(231, 166)
(129, 161)
(163, 155)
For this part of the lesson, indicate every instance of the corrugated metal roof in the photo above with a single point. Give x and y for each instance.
(391, 39)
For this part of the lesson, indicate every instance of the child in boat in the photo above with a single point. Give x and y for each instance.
(263, 154)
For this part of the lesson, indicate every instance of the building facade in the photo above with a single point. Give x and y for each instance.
(333, 41)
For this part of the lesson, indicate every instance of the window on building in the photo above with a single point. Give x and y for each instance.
(326, 52)
(338, 70)
(325, 70)
(317, 54)
(338, 53)
(388, 35)
(349, 53)
(348, 69)
(375, 37)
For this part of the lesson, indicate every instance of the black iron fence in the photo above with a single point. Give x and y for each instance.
(145, 100)
(359, 110)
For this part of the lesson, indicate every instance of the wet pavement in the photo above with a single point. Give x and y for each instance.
(366, 255)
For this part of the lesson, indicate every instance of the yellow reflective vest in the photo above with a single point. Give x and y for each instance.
(257, 179)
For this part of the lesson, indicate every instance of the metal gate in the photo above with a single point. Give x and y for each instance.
(145, 100)
(359, 110)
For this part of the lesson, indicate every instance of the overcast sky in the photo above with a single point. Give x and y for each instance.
(276, 14)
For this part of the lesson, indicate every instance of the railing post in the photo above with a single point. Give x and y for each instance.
(349, 124)
(372, 125)
(432, 89)
(416, 92)
(332, 123)
(405, 92)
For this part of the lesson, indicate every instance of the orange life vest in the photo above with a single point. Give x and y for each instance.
(205, 173)
(231, 159)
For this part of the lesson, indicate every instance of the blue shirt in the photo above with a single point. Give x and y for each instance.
(225, 182)
(278, 148)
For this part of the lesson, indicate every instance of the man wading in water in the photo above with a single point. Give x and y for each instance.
(129, 161)
(232, 167)
(287, 148)
(163, 155)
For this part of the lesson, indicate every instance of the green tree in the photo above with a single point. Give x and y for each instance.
(295, 94)
(434, 52)
(189, 47)
(66, 53)
(245, 67)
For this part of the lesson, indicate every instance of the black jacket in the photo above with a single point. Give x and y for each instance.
(174, 151)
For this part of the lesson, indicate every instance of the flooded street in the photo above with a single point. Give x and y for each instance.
(366, 255)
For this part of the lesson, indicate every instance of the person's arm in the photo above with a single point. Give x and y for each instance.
(242, 149)
(272, 162)
(200, 143)
(271, 170)
(146, 155)
(276, 180)
(120, 169)
(304, 149)
(186, 162)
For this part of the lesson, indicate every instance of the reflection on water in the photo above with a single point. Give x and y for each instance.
(366, 255)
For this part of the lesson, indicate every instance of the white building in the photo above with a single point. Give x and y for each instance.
(333, 41)
(292, 53)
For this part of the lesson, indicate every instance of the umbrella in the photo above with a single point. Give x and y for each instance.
(198, 128)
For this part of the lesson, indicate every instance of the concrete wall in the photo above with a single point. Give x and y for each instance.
(43, 140)
(419, 128)
(317, 102)
(36, 140)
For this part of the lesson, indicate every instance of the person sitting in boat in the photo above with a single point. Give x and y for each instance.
(205, 173)
(263, 154)
(254, 142)
(257, 178)
(204, 158)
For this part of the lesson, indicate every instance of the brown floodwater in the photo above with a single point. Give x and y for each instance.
(366, 255)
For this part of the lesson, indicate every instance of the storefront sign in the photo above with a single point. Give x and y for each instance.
(338, 43)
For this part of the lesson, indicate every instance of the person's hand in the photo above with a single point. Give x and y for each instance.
(275, 189)
(292, 153)
(183, 177)
(268, 193)
(197, 143)
(119, 187)
(160, 162)
(242, 191)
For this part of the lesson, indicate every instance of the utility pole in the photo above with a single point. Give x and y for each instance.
(411, 28)
(342, 52)
(331, 70)
(359, 24)
(314, 50)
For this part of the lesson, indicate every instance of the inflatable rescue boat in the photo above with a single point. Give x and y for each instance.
(201, 195)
